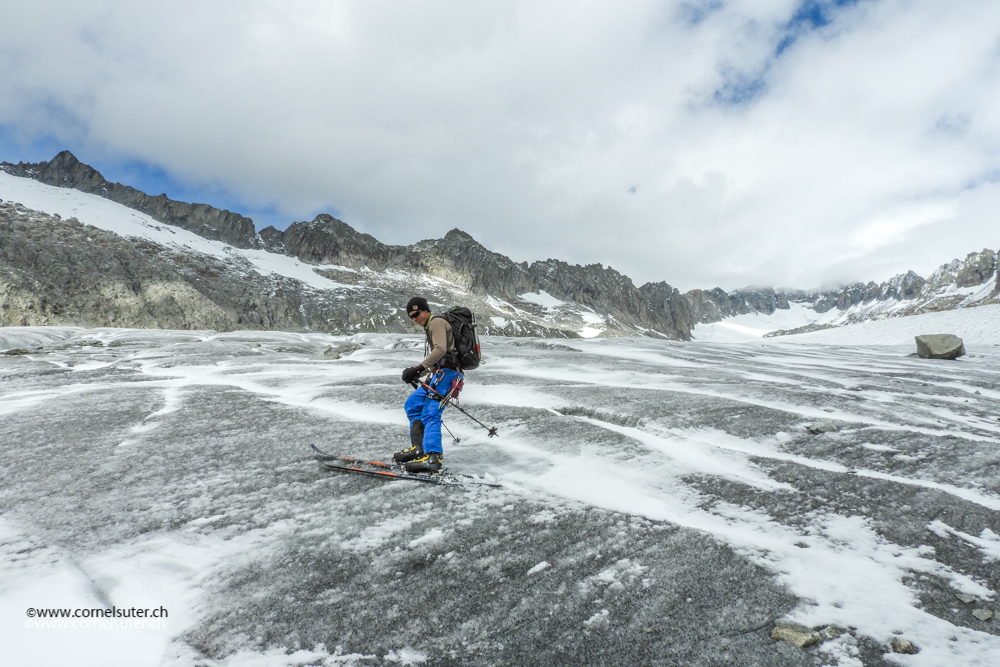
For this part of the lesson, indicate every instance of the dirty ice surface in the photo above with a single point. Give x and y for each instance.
(662, 503)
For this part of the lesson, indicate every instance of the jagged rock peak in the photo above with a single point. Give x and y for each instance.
(904, 286)
(327, 240)
(66, 171)
(457, 235)
(976, 269)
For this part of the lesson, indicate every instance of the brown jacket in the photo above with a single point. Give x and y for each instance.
(441, 340)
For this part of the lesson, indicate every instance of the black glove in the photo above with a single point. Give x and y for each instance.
(410, 375)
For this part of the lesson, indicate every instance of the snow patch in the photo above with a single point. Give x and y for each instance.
(600, 618)
(542, 298)
(988, 542)
(544, 565)
(406, 656)
(432, 535)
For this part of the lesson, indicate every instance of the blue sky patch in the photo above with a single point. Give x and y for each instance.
(810, 15)
(740, 88)
(696, 11)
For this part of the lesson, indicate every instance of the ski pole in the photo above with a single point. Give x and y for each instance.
(491, 431)
(456, 440)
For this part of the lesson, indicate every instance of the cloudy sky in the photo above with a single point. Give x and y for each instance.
(797, 143)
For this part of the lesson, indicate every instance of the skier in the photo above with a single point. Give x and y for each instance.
(424, 412)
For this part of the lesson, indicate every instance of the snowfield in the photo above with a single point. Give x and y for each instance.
(751, 326)
(662, 503)
(975, 325)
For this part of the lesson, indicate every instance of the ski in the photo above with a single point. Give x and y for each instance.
(394, 475)
(323, 457)
(393, 470)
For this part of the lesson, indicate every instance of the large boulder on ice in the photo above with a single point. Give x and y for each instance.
(939, 346)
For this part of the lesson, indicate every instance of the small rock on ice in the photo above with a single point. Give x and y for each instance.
(795, 634)
(900, 645)
(823, 426)
(334, 352)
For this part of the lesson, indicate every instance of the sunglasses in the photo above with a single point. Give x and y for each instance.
(414, 315)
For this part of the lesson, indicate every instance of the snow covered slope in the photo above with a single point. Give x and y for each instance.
(752, 326)
(662, 502)
(744, 314)
(976, 326)
(123, 221)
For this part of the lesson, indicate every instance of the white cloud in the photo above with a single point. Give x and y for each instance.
(588, 131)
(888, 229)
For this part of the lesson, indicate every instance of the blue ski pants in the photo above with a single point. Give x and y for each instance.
(420, 406)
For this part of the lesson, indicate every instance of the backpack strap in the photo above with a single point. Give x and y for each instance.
(450, 358)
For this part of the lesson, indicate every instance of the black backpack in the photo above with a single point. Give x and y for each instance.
(463, 323)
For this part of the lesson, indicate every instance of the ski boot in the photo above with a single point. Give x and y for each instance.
(416, 449)
(429, 462)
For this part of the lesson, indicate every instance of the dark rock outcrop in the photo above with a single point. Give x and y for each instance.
(461, 259)
(65, 171)
(904, 286)
(327, 240)
(977, 269)
(59, 272)
(655, 306)
(705, 305)
(666, 309)
(762, 299)
(717, 304)
(858, 293)
(899, 288)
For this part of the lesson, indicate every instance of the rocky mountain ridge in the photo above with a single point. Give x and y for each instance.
(66, 171)
(961, 283)
(491, 279)
(369, 279)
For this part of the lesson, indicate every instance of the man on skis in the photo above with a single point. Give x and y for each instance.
(422, 408)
